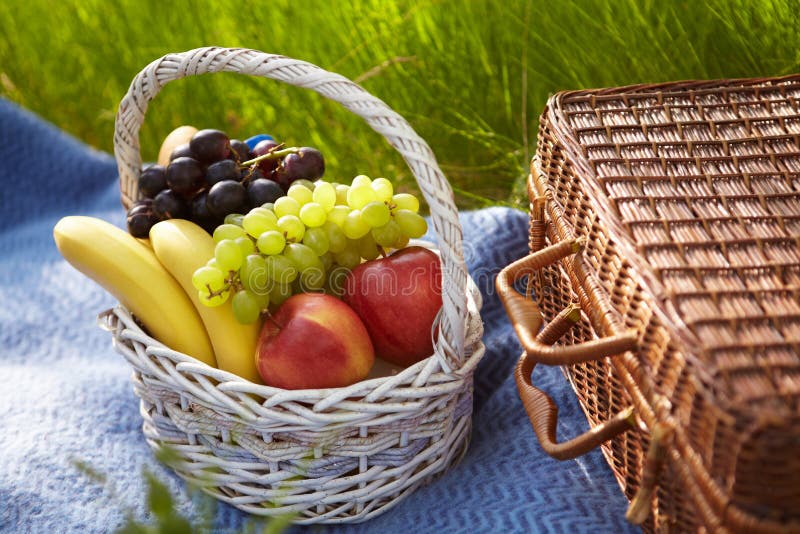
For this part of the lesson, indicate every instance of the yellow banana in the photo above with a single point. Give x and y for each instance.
(131, 272)
(183, 247)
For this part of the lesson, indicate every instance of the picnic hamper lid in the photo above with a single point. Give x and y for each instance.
(698, 183)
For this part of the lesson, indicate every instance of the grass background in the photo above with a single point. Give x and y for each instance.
(471, 76)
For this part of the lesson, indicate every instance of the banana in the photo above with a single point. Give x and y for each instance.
(182, 247)
(131, 272)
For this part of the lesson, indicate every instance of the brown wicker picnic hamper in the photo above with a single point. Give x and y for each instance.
(333, 455)
(665, 240)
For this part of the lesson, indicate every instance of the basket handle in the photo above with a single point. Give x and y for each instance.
(416, 152)
(527, 321)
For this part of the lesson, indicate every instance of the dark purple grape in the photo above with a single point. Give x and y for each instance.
(308, 164)
(227, 169)
(210, 145)
(227, 197)
(262, 190)
(200, 214)
(240, 151)
(169, 205)
(181, 151)
(152, 181)
(263, 147)
(185, 175)
(248, 174)
(140, 219)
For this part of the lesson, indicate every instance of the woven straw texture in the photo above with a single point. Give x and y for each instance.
(688, 196)
(335, 455)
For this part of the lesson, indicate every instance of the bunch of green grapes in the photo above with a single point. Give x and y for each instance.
(307, 240)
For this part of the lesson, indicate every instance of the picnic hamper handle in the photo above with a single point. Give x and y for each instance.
(527, 320)
(416, 152)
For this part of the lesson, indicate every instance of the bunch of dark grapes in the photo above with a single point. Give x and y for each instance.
(213, 176)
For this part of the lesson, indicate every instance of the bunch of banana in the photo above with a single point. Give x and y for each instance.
(154, 283)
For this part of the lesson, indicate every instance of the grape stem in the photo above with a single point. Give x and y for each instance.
(271, 319)
(272, 154)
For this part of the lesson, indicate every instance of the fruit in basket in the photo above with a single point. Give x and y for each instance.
(307, 240)
(192, 163)
(398, 298)
(177, 137)
(307, 164)
(153, 180)
(210, 145)
(313, 341)
(185, 175)
(131, 272)
(183, 247)
(141, 218)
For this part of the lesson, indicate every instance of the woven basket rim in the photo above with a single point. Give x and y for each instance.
(229, 381)
(674, 88)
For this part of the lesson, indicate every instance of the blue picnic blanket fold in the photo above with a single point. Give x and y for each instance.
(66, 397)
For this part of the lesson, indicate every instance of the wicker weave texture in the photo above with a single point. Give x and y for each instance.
(330, 456)
(689, 195)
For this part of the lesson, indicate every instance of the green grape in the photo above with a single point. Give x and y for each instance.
(253, 274)
(308, 184)
(245, 307)
(375, 214)
(383, 188)
(360, 195)
(271, 242)
(280, 269)
(302, 194)
(313, 279)
(286, 206)
(317, 240)
(367, 247)
(361, 179)
(354, 226)
(341, 194)
(265, 211)
(208, 279)
(256, 223)
(246, 245)
(349, 258)
(337, 241)
(228, 255)
(212, 301)
(279, 293)
(387, 235)
(262, 301)
(404, 201)
(292, 228)
(302, 256)
(325, 195)
(234, 218)
(338, 214)
(228, 231)
(402, 242)
(327, 261)
(213, 263)
(313, 214)
(411, 224)
(269, 206)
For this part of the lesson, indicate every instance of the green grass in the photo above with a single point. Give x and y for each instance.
(471, 76)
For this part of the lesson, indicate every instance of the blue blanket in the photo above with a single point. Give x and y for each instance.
(65, 395)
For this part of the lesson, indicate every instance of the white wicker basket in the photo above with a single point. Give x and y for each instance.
(329, 455)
